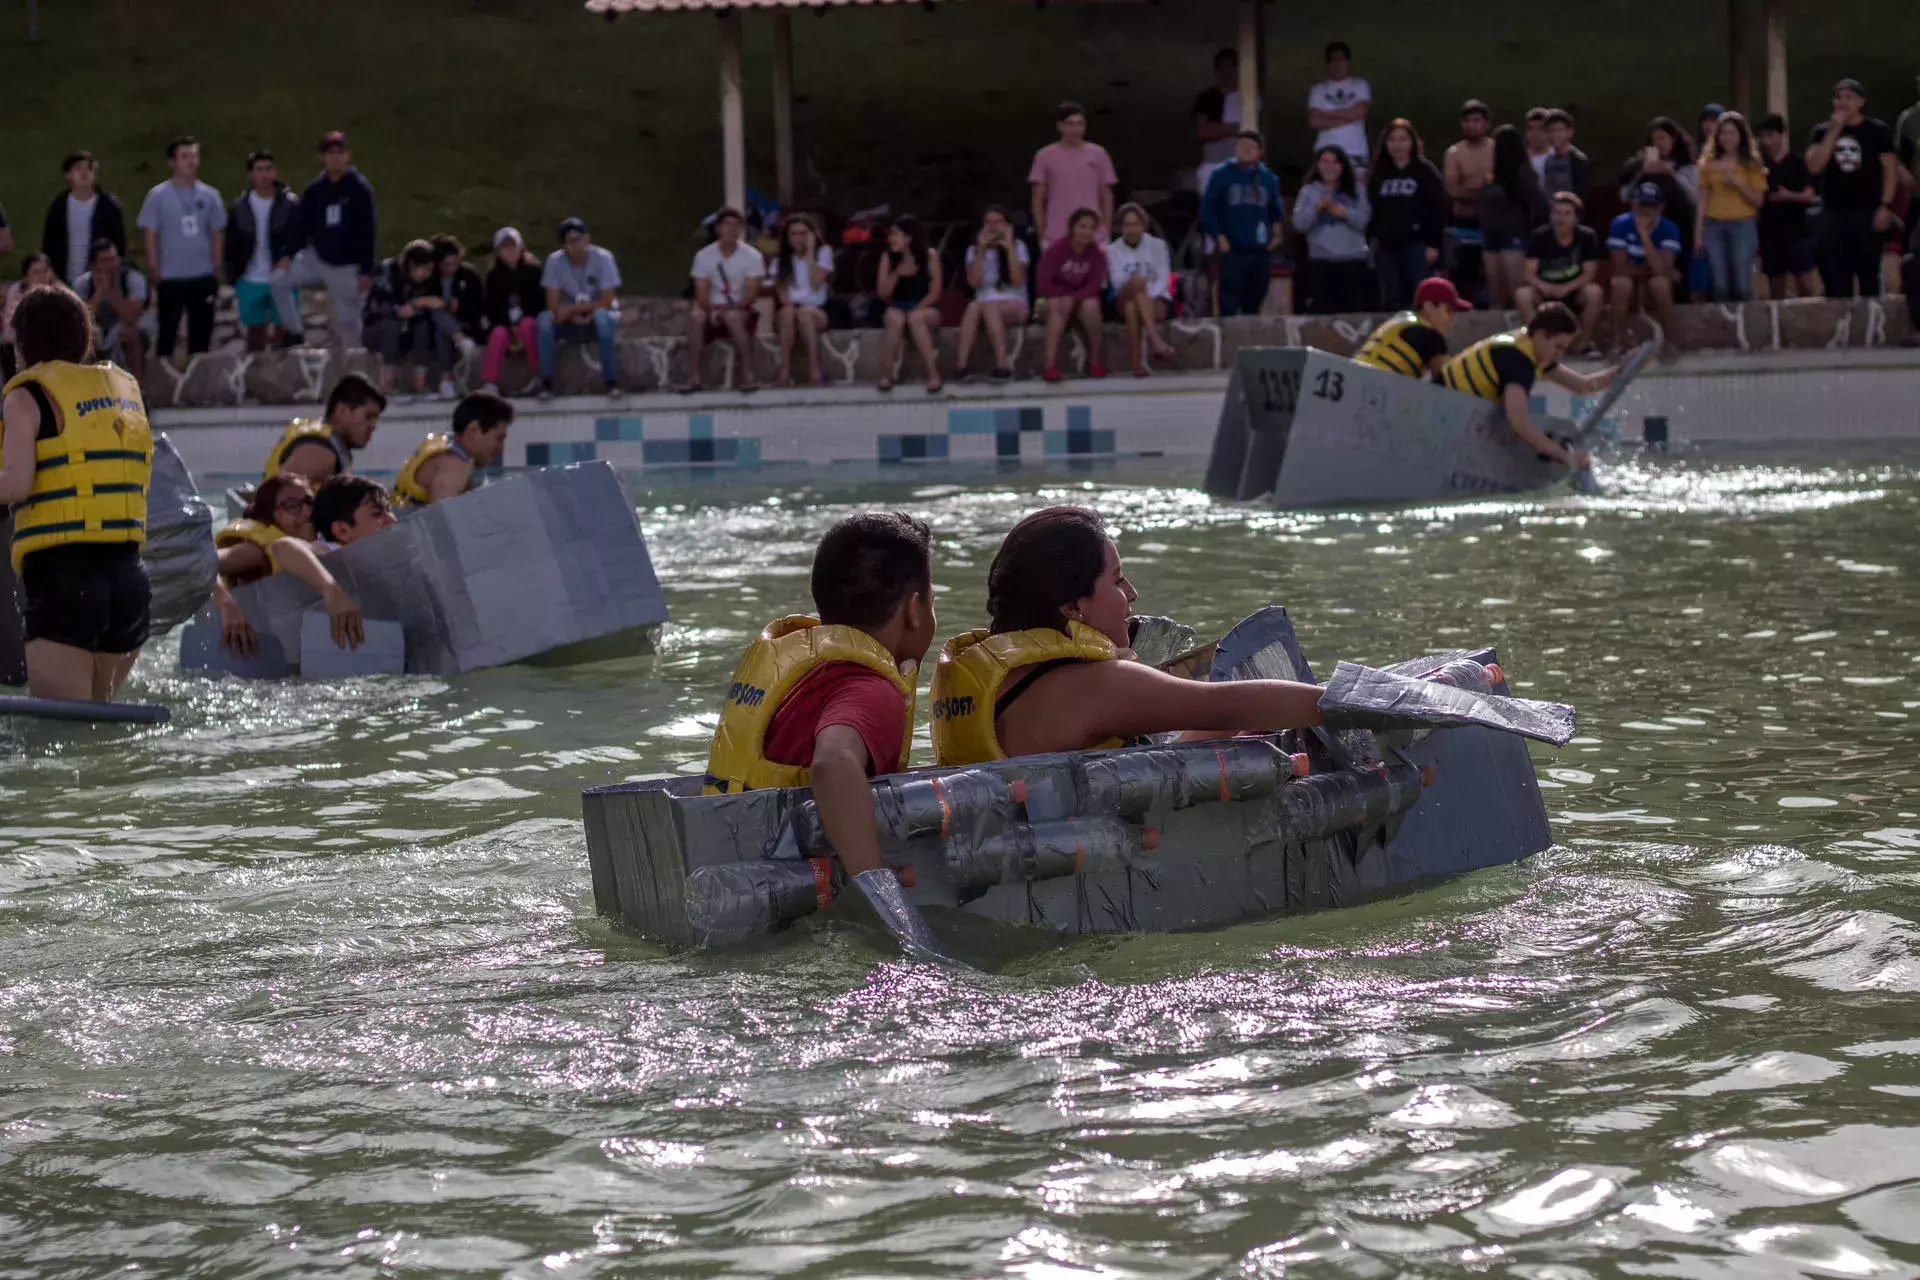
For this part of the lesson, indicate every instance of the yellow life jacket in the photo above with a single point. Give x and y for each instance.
(1472, 370)
(406, 485)
(260, 534)
(773, 664)
(90, 475)
(299, 432)
(1387, 347)
(973, 666)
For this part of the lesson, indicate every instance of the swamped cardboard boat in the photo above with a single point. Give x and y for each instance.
(1143, 839)
(546, 566)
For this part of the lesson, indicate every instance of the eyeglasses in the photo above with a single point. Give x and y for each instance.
(293, 504)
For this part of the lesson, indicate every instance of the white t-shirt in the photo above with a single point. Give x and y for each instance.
(801, 290)
(992, 288)
(727, 276)
(1148, 258)
(1539, 163)
(79, 235)
(1338, 95)
(260, 266)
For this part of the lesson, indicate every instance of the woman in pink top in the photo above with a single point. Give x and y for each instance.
(1072, 276)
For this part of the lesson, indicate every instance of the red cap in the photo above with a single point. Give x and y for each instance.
(332, 138)
(1440, 289)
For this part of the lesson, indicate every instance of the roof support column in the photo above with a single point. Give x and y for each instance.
(733, 128)
(1739, 61)
(1252, 49)
(1776, 20)
(783, 105)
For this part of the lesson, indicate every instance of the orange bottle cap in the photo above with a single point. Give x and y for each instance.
(1150, 839)
(1301, 765)
(1018, 790)
(1427, 774)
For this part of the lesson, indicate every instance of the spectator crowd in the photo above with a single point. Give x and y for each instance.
(1509, 212)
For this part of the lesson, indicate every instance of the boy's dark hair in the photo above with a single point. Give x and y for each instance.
(1475, 107)
(51, 323)
(74, 158)
(255, 157)
(482, 409)
(1537, 115)
(1553, 318)
(1255, 135)
(353, 391)
(1560, 115)
(1340, 47)
(339, 499)
(1773, 122)
(1226, 55)
(417, 253)
(184, 140)
(1578, 205)
(867, 564)
(1066, 110)
(98, 247)
(445, 247)
(726, 211)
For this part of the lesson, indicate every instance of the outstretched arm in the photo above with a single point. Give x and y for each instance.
(1520, 422)
(1075, 706)
(299, 559)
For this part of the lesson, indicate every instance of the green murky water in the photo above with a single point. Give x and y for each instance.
(310, 982)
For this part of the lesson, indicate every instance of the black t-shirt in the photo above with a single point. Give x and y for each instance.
(1212, 103)
(1513, 369)
(1852, 181)
(1786, 219)
(1426, 342)
(1561, 263)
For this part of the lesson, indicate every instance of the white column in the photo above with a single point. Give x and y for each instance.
(1739, 64)
(783, 105)
(1776, 18)
(1248, 47)
(733, 128)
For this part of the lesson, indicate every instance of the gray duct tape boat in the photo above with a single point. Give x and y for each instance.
(1314, 429)
(1143, 839)
(546, 566)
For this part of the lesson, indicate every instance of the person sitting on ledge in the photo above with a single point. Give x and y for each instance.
(1072, 278)
(449, 463)
(275, 535)
(349, 508)
(320, 450)
(1503, 368)
(1414, 343)
(1054, 672)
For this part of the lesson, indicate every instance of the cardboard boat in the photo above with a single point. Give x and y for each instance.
(546, 565)
(1314, 429)
(1142, 839)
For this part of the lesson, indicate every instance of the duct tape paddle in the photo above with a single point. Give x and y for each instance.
(84, 712)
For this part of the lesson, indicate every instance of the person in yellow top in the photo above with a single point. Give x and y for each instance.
(275, 535)
(448, 464)
(1503, 369)
(76, 456)
(1733, 186)
(323, 449)
(1413, 344)
(827, 702)
(1053, 673)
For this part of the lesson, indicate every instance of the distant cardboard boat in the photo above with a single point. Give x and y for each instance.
(1314, 430)
(546, 565)
(1143, 839)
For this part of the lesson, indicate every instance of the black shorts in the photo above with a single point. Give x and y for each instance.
(1785, 256)
(93, 596)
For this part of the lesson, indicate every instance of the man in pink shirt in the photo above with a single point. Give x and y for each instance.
(1071, 174)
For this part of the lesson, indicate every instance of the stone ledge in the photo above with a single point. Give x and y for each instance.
(654, 362)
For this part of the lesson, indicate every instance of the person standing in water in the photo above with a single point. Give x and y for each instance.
(76, 456)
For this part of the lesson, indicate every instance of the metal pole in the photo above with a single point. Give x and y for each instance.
(1739, 64)
(1776, 20)
(733, 127)
(1249, 51)
(783, 105)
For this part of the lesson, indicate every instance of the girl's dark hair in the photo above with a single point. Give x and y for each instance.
(1381, 160)
(785, 259)
(267, 497)
(1049, 560)
(999, 251)
(1347, 184)
(1074, 220)
(447, 246)
(1132, 206)
(909, 226)
(1682, 140)
(51, 323)
(1749, 150)
(1509, 160)
(418, 253)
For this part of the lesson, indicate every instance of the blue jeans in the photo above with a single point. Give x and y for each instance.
(1731, 246)
(1401, 271)
(601, 332)
(1245, 274)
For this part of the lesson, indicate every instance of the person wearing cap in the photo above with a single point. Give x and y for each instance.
(1504, 367)
(80, 215)
(1413, 344)
(1851, 157)
(515, 302)
(1563, 265)
(337, 231)
(579, 280)
(1644, 245)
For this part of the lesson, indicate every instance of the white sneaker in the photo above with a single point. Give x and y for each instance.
(464, 344)
(491, 388)
(446, 388)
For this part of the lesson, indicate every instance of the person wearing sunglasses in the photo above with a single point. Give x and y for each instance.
(275, 535)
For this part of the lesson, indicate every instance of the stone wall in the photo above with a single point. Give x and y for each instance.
(653, 356)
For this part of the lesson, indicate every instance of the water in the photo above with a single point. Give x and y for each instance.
(310, 982)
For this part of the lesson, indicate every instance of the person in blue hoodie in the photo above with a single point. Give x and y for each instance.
(1244, 220)
(337, 229)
